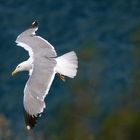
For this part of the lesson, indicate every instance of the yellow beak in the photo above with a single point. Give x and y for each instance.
(14, 73)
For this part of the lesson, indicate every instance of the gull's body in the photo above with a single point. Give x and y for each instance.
(42, 65)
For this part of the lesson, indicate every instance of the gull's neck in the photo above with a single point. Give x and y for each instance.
(27, 65)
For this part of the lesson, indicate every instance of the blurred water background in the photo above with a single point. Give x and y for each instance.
(103, 101)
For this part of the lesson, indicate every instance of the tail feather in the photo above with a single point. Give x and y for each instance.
(67, 64)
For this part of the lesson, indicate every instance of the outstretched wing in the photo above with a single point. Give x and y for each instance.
(35, 44)
(37, 88)
(42, 75)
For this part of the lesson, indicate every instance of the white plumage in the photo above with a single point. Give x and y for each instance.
(67, 64)
(42, 65)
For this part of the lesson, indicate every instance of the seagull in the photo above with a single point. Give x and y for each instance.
(42, 66)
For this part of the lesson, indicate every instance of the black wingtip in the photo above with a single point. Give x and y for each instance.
(34, 24)
(30, 120)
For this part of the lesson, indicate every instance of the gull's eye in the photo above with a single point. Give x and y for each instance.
(18, 67)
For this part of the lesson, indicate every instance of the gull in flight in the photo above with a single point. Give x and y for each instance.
(42, 66)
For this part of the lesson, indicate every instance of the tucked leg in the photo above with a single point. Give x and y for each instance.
(62, 77)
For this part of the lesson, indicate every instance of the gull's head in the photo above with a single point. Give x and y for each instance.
(24, 66)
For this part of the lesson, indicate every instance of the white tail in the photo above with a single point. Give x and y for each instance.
(67, 64)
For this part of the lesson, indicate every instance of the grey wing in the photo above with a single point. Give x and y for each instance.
(29, 41)
(38, 85)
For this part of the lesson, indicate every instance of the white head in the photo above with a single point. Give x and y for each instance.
(24, 66)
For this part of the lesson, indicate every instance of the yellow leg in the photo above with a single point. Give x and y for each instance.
(62, 77)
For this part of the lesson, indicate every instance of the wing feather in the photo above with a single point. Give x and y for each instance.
(42, 54)
(35, 44)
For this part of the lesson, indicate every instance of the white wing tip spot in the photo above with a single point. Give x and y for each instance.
(28, 127)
